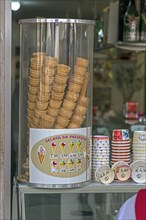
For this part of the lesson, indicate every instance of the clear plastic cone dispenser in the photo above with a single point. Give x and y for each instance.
(55, 102)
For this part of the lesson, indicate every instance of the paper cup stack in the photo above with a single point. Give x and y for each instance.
(139, 145)
(120, 146)
(101, 152)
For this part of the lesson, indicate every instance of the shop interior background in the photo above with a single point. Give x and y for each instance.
(110, 67)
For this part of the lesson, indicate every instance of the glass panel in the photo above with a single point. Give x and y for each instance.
(42, 206)
(119, 78)
(100, 206)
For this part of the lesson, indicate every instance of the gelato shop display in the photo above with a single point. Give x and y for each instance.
(55, 139)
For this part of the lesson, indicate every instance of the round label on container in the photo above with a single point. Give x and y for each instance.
(118, 164)
(123, 172)
(139, 174)
(104, 174)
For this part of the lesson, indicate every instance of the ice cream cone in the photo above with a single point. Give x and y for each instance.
(71, 146)
(62, 164)
(41, 153)
(85, 84)
(62, 146)
(82, 62)
(41, 157)
(53, 146)
(79, 145)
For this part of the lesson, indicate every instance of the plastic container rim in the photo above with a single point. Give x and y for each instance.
(56, 20)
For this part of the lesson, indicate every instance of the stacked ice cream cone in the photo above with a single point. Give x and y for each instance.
(57, 94)
(36, 69)
(81, 106)
(49, 105)
(41, 79)
(47, 80)
(64, 119)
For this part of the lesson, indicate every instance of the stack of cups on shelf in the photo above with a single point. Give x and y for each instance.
(120, 146)
(139, 145)
(101, 152)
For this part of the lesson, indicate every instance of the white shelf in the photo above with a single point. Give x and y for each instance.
(132, 46)
(91, 188)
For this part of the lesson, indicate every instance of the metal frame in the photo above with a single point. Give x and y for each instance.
(7, 108)
(5, 113)
(56, 20)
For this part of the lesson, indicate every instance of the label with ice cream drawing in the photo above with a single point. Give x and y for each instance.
(60, 156)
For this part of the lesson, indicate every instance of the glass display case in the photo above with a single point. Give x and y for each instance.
(55, 129)
(95, 201)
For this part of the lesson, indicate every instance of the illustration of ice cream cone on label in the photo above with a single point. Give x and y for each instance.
(54, 164)
(78, 163)
(79, 145)
(71, 163)
(53, 146)
(62, 145)
(62, 164)
(41, 153)
(71, 146)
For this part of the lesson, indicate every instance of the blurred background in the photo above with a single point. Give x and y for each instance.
(114, 72)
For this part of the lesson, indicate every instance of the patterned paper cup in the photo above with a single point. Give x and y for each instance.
(143, 153)
(98, 162)
(120, 134)
(100, 148)
(121, 142)
(101, 155)
(139, 148)
(120, 147)
(101, 151)
(139, 158)
(113, 160)
(127, 158)
(118, 154)
(139, 145)
(139, 137)
(137, 163)
(139, 151)
(100, 141)
(115, 150)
